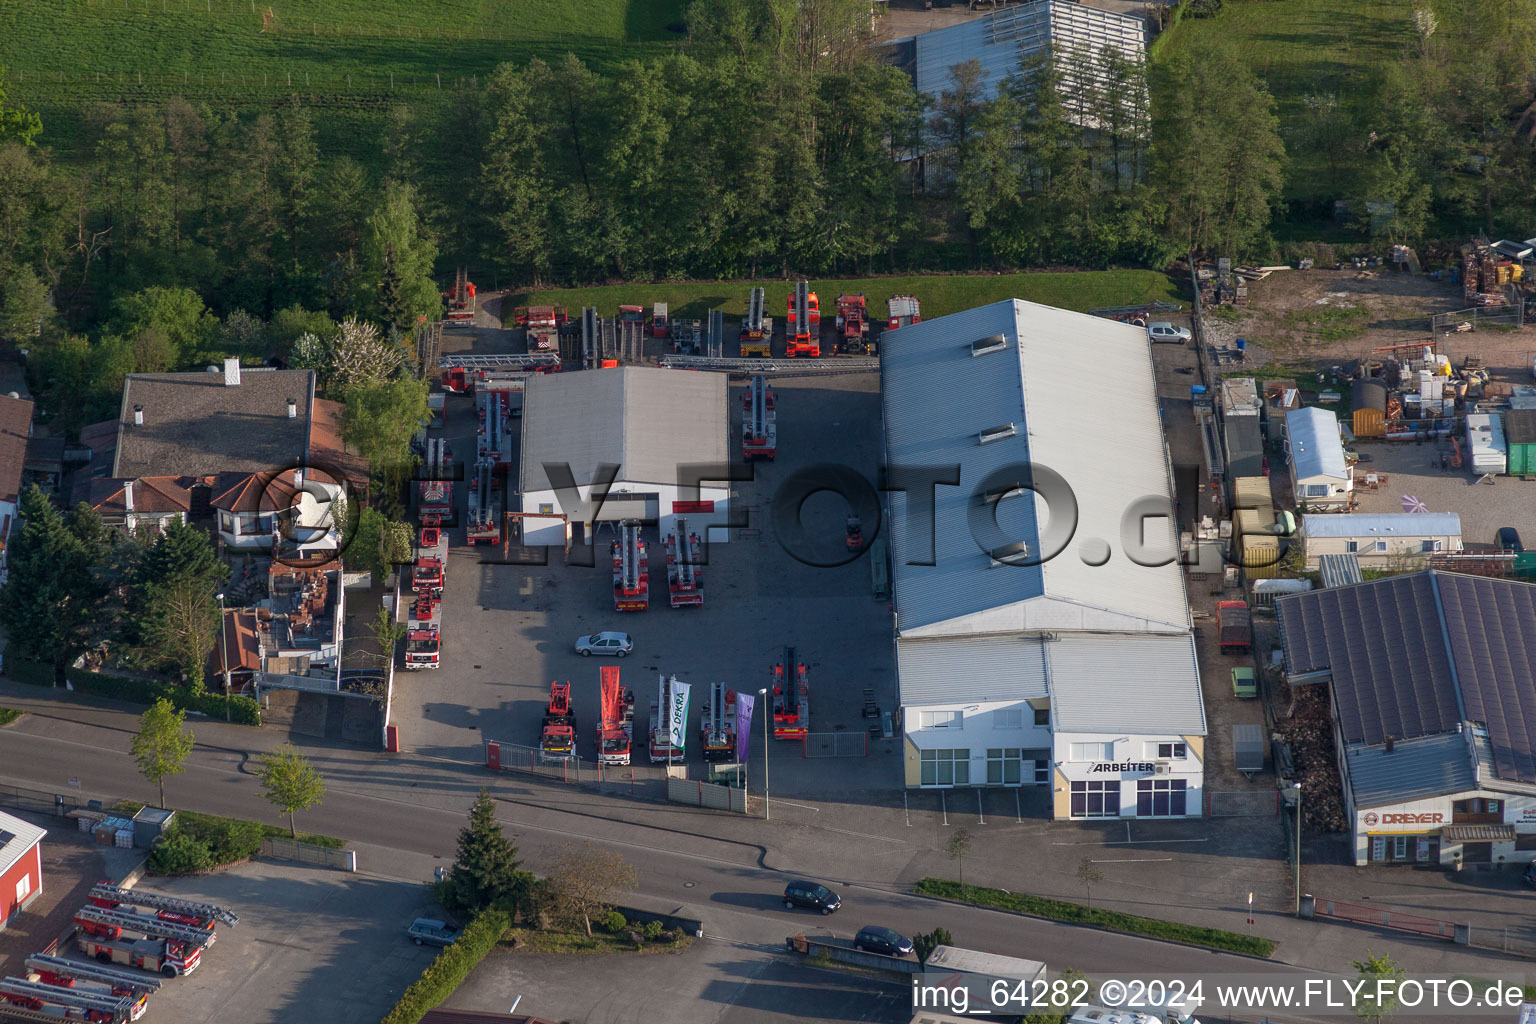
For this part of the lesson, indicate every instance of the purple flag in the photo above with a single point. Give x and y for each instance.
(744, 704)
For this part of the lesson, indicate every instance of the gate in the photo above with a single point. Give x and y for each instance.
(836, 744)
(1240, 803)
(1381, 917)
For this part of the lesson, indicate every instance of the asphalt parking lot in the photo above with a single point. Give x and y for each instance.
(708, 983)
(509, 628)
(312, 945)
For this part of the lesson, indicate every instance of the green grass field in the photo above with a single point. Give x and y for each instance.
(939, 294)
(348, 57)
(1300, 48)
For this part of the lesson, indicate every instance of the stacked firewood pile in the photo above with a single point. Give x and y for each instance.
(1309, 732)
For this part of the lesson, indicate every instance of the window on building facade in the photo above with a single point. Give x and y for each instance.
(1351, 546)
(1381, 545)
(1317, 490)
(1169, 751)
(939, 719)
(1093, 751)
(945, 767)
(1005, 766)
(1042, 773)
(23, 887)
(1160, 798)
(1008, 718)
(1096, 799)
(1042, 716)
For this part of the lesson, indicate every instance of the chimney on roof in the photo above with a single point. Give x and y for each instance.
(293, 408)
(231, 372)
(138, 415)
(128, 496)
(1390, 743)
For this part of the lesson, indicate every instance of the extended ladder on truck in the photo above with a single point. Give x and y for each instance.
(631, 578)
(660, 747)
(759, 426)
(114, 922)
(777, 367)
(435, 489)
(756, 328)
(67, 1003)
(717, 725)
(791, 693)
(557, 734)
(91, 977)
(802, 333)
(460, 373)
(685, 583)
(616, 733)
(171, 908)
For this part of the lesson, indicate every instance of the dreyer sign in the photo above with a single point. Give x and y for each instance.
(1402, 819)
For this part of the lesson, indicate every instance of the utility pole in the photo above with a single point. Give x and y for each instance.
(224, 654)
(1296, 879)
(767, 713)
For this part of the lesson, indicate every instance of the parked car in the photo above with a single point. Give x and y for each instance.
(1508, 539)
(811, 895)
(1164, 331)
(429, 931)
(1530, 874)
(874, 939)
(616, 644)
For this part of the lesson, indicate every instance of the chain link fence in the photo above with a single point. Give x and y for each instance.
(1509, 315)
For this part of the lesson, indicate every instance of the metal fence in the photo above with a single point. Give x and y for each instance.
(1242, 803)
(1510, 315)
(698, 793)
(41, 801)
(308, 853)
(836, 744)
(1380, 917)
(631, 779)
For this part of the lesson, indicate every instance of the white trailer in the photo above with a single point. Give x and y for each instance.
(1487, 454)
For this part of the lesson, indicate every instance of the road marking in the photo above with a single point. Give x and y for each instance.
(861, 835)
(1135, 842)
(1133, 860)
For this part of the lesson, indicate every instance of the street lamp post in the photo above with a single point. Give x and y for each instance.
(224, 655)
(762, 695)
(1296, 879)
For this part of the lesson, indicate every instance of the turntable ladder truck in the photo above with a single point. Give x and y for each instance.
(685, 585)
(82, 976)
(617, 732)
(853, 326)
(464, 374)
(791, 697)
(435, 490)
(62, 1002)
(802, 333)
(557, 736)
(631, 578)
(756, 328)
(759, 426)
(717, 725)
(139, 940)
(461, 301)
(660, 746)
(168, 908)
(483, 506)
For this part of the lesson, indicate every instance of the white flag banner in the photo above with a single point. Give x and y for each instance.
(677, 715)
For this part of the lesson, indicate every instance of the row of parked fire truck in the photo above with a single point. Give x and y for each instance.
(789, 704)
(160, 934)
(631, 568)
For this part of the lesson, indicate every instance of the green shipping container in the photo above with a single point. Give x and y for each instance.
(1520, 436)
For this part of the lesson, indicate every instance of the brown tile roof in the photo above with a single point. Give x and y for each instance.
(45, 453)
(15, 428)
(100, 437)
(240, 643)
(194, 425)
(259, 492)
(151, 494)
(326, 448)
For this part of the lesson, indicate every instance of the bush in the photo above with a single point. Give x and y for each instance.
(652, 929)
(227, 839)
(178, 852)
(614, 922)
(925, 943)
(242, 710)
(451, 967)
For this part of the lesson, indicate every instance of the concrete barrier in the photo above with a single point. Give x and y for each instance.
(849, 955)
(692, 926)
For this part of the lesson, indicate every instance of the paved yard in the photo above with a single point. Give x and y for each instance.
(509, 628)
(312, 947)
(708, 983)
(1414, 469)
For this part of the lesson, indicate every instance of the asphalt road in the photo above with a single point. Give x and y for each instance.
(724, 883)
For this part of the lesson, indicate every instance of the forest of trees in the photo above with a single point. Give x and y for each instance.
(776, 141)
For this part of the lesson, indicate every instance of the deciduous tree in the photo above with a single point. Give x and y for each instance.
(587, 880)
(161, 746)
(290, 781)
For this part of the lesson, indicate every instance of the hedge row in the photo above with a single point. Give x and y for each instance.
(451, 967)
(1110, 920)
(243, 710)
(201, 842)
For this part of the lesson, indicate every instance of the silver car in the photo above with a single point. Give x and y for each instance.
(616, 644)
(429, 931)
(1164, 331)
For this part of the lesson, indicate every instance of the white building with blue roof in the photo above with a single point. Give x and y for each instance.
(1043, 636)
(1403, 539)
